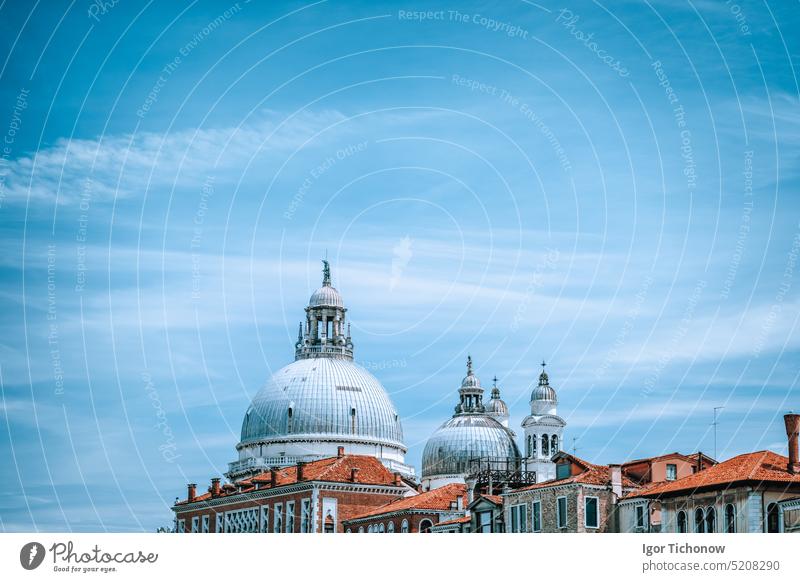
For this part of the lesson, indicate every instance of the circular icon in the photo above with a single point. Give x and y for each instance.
(31, 555)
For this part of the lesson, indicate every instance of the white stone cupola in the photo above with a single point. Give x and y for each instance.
(543, 430)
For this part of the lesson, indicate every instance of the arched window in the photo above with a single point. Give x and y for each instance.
(545, 446)
(730, 518)
(772, 518)
(381, 529)
(390, 527)
(533, 446)
(682, 522)
(348, 530)
(711, 520)
(528, 447)
(369, 529)
(361, 529)
(353, 421)
(289, 420)
(425, 526)
(699, 521)
(404, 526)
(554, 444)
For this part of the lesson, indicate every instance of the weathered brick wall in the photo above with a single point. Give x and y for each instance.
(575, 495)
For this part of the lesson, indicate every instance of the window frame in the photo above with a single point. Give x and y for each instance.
(678, 521)
(196, 524)
(289, 521)
(536, 516)
(561, 517)
(205, 523)
(729, 521)
(518, 518)
(181, 526)
(404, 528)
(640, 512)
(674, 475)
(596, 512)
(305, 515)
(277, 518)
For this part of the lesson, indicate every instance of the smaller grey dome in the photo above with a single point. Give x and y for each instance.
(464, 438)
(497, 407)
(544, 392)
(326, 296)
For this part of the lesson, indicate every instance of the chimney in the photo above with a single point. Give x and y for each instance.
(273, 477)
(398, 479)
(340, 452)
(460, 503)
(192, 492)
(353, 474)
(615, 472)
(301, 470)
(471, 484)
(792, 422)
(215, 487)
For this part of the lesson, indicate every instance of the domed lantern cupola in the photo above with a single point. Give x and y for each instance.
(470, 393)
(496, 407)
(326, 332)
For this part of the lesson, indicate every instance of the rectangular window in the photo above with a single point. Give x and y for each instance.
(536, 516)
(305, 518)
(181, 526)
(277, 518)
(264, 518)
(485, 522)
(195, 524)
(563, 471)
(640, 516)
(561, 512)
(206, 523)
(591, 511)
(519, 518)
(218, 523)
(672, 472)
(290, 517)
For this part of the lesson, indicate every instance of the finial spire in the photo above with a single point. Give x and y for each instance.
(469, 365)
(300, 332)
(494, 380)
(326, 272)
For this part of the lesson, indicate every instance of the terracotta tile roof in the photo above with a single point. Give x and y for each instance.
(496, 499)
(591, 475)
(761, 466)
(434, 500)
(370, 471)
(465, 519)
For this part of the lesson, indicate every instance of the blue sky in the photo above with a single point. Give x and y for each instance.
(611, 188)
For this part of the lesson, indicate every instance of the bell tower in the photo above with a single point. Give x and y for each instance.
(543, 429)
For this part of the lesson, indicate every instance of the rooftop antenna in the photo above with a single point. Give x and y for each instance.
(574, 448)
(714, 424)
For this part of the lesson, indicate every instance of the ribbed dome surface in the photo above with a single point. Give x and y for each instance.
(463, 438)
(496, 406)
(326, 296)
(322, 394)
(544, 392)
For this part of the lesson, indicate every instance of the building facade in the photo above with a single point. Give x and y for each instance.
(313, 497)
(581, 499)
(413, 514)
(749, 493)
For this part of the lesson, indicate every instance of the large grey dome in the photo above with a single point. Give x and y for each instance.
(322, 399)
(463, 438)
